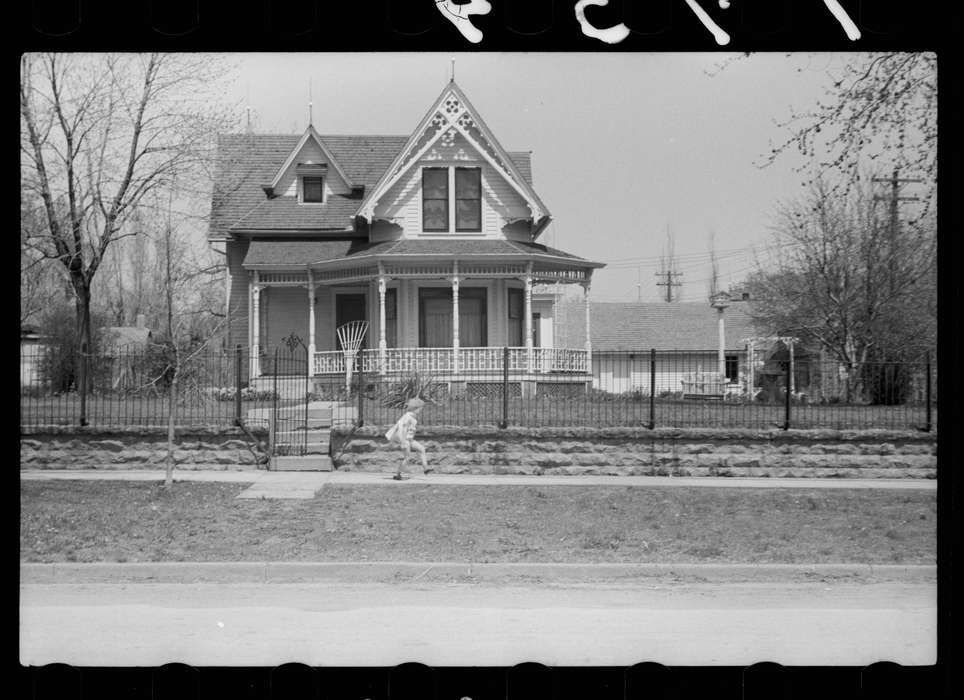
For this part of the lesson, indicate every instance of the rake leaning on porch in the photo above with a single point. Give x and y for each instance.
(430, 238)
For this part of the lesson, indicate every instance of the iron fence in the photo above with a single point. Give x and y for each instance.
(652, 388)
(647, 388)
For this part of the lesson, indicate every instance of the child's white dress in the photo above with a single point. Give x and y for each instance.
(403, 432)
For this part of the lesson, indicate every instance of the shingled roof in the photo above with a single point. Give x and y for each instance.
(247, 161)
(684, 326)
(275, 253)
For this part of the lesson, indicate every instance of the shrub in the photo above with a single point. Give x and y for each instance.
(423, 386)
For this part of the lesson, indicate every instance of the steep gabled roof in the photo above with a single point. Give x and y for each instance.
(686, 326)
(311, 134)
(248, 161)
(453, 112)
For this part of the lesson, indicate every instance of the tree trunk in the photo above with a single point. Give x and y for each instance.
(83, 328)
(171, 416)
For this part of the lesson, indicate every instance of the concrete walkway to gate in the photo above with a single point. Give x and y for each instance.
(266, 484)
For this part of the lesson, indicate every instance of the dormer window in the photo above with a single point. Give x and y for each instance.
(311, 182)
(452, 200)
(313, 189)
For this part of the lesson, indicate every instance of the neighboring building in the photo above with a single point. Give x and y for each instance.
(121, 355)
(685, 336)
(33, 350)
(429, 237)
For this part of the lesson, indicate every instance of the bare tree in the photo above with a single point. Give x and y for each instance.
(840, 279)
(880, 112)
(102, 136)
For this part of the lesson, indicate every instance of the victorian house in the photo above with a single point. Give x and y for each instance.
(432, 238)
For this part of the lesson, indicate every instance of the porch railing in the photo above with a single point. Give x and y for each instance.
(437, 361)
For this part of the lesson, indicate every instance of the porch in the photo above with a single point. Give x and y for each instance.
(457, 362)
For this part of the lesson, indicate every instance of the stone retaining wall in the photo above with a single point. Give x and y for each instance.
(57, 447)
(631, 451)
(615, 451)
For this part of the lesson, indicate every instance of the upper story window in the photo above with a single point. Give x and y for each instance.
(312, 189)
(435, 199)
(452, 200)
(468, 199)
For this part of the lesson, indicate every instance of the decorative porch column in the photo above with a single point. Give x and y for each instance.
(455, 317)
(585, 287)
(528, 317)
(311, 323)
(254, 321)
(382, 341)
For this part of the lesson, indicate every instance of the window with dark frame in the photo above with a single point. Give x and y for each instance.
(391, 317)
(312, 189)
(515, 314)
(435, 199)
(732, 367)
(468, 199)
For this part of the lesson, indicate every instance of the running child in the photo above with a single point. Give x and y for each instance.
(403, 435)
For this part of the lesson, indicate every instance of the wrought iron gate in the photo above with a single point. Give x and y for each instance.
(290, 368)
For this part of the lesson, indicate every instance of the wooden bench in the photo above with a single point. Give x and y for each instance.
(704, 386)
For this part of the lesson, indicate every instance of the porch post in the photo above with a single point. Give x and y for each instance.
(311, 322)
(382, 341)
(585, 287)
(528, 317)
(455, 317)
(254, 319)
(721, 354)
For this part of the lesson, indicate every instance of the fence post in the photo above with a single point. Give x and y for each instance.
(652, 388)
(237, 385)
(307, 397)
(786, 391)
(927, 390)
(273, 426)
(505, 388)
(82, 383)
(361, 394)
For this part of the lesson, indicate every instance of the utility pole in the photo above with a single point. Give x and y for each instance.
(666, 268)
(895, 197)
(669, 283)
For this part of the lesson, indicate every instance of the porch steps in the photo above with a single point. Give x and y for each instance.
(293, 432)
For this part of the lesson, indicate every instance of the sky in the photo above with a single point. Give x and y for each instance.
(626, 147)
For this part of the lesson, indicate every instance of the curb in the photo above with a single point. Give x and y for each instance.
(465, 572)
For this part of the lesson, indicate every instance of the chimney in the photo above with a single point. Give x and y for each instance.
(141, 321)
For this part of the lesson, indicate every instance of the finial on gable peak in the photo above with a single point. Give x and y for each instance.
(452, 79)
(310, 106)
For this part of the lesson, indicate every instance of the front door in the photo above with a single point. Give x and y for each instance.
(350, 307)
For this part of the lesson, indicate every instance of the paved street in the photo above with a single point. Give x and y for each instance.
(439, 623)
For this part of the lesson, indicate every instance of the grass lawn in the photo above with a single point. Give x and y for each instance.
(136, 521)
(580, 411)
(138, 411)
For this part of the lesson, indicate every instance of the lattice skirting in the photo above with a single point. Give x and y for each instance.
(484, 390)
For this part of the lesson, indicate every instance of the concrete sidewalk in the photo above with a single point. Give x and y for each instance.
(265, 484)
(291, 572)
